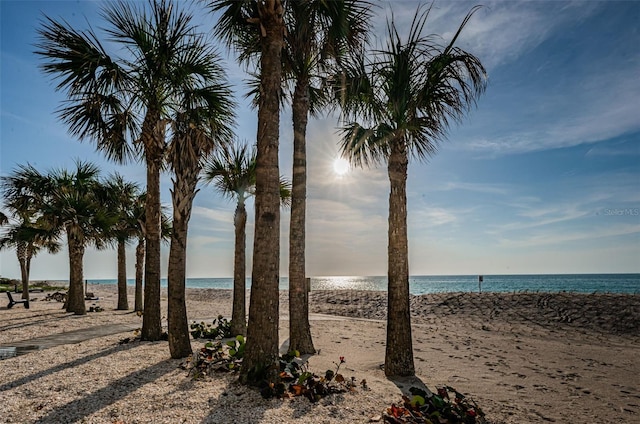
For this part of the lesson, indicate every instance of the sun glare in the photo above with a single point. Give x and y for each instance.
(341, 166)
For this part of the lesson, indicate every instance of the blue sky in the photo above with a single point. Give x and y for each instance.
(543, 177)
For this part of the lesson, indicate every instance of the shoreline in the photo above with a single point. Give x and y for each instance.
(526, 283)
(562, 357)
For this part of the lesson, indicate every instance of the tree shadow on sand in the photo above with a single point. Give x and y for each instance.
(76, 410)
(71, 364)
(238, 403)
(18, 321)
(233, 402)
(405, 384)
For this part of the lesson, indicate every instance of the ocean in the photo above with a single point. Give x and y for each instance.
(421, 284)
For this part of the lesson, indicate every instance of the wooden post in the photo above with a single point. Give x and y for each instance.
(480, 278)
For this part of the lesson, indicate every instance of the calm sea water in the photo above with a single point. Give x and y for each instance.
(420, 284)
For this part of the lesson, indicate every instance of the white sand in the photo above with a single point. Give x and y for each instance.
(525, 358)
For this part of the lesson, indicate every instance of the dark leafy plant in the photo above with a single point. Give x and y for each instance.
(302, 382)
(429, 408)
(216, 356)
(219, 329)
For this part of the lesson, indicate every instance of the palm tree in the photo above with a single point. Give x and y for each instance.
(72, 202)
(121, 197)
(138, 213)
(202, 124)
(138, 305)
(406, 98)
(124, 104)
(28, 238)
(29, 233)
(76, 202)
(319, 34)
(232, 171)
(265, 18)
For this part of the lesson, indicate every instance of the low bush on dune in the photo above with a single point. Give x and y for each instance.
(9, 284)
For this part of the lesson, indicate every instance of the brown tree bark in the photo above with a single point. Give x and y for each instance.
(75, 294)
(184, 190)
(138, 306)
(299, 328)
(239, 312)
(399, 350)
(21, 252)
(123, 302)
(261, 354)
(153, 134)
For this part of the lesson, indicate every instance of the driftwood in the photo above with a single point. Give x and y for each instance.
(57, 296)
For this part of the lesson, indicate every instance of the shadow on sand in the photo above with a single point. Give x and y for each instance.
(406, 383)
(61, 367)
(76, 410)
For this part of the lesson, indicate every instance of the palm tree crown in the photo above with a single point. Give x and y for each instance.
(408, 92)
(232, 171)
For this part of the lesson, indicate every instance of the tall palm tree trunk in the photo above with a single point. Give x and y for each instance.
(123, 302)
(153, 140)
(239, 313)
(299, 329)
(261, 354)
(26, 282)
(139, 274)
(399, 350)
(184, 190)
(21, 252)
(75, 295)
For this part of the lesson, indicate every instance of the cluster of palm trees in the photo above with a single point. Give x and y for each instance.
(78, 205)
(167, 102)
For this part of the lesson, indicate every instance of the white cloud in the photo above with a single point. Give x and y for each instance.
(431, 217)
(218, 216)
(499, 32)
(555, 237)
(491, 188)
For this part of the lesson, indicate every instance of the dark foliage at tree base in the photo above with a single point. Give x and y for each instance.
(219, 329)
(439, 408)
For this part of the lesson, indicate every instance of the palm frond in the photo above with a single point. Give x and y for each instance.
(408, 92)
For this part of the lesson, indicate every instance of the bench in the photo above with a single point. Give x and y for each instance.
(13, 302)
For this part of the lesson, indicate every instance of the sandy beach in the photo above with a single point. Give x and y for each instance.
(523, 357)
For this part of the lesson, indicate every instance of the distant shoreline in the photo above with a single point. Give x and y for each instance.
(523, 283)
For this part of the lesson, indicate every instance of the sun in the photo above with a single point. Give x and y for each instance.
(341, 166)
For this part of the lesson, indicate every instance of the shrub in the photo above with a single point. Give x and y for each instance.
(431, 408)
(219, 329)
(216, 357)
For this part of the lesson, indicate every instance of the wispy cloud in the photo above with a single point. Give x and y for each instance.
(491, 188)
(432, 217)
(219, 216)
(540, 217)
(627, 149)
(500, 32)
(554, 237)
